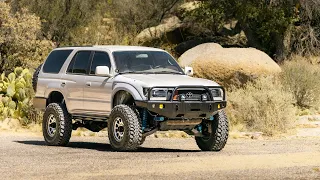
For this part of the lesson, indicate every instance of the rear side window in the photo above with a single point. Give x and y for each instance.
(99, 59)
(55, 61)
(80, 63)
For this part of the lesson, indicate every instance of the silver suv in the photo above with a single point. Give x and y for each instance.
(134, 91)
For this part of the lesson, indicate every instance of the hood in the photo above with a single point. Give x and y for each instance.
(151, 80)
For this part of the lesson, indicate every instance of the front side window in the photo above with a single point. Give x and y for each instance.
(55, 61)
(155, 62)
(80, 62)
(99, 59)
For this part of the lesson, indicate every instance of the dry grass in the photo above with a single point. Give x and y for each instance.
(302, 79)
(171, 134)
(263, 106)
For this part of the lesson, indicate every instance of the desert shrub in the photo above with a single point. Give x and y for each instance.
(302, 79)
(62, 18)
(263, 105)
(21, 41)
(16, 94)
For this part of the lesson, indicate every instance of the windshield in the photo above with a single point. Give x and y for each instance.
(156, 62)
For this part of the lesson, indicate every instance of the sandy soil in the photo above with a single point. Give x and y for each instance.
(25, 156)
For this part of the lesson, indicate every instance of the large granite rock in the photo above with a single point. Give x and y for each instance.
(228, 65)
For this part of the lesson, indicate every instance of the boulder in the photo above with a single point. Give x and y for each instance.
(187, 58)
(228, 66)
(186, 45)
(168, 29)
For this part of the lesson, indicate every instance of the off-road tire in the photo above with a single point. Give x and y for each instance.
(219, 136)
(35, 78)
(140, 120)
(143, 139)
(63, 125)
(132, 128)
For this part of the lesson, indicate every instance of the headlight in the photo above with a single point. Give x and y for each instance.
(217, 93)
(160, 94)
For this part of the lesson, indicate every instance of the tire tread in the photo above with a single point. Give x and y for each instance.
(219, 136)
(134, 125)
(65, 121)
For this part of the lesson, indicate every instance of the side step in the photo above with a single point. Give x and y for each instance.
(82, 117)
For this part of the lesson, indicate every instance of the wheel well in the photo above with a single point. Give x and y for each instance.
(55, 97)
(123, 97)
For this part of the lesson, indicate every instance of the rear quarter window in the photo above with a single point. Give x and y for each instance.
(55, 61)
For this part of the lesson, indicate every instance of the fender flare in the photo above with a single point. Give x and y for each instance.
(128, 88)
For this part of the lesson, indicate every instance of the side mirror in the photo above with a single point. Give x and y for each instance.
(103, 71)
(188, 71)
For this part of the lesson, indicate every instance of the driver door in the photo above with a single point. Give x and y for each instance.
(98, 90)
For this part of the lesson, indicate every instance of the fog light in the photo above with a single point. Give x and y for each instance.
(182, 97)
(204, 97)
(161, 106)
(218, 106)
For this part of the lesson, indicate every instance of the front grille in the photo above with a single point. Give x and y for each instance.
(193, 94)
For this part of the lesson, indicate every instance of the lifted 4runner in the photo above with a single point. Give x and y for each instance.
(134, 91)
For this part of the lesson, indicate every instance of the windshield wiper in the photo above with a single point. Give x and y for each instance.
(131, 72)
(167, 72)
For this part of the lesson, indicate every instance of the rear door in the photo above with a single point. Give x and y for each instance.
(74, 81)
(97, 91)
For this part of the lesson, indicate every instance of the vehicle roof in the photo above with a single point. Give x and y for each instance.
(112, 48)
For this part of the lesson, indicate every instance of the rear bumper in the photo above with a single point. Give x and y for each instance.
(39, 103)
(187, 109)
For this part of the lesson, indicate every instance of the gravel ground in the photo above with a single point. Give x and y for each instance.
(25, 156)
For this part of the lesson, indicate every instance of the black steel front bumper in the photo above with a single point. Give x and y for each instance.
(186, 109)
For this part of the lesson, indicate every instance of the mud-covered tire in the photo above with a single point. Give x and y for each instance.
(219, 136)
(132, 131)
(35, 78)
(63, 125)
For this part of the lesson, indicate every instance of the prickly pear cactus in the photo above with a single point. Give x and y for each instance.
(1, 107)
(16, 93)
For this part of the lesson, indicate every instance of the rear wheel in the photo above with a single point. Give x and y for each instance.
(217, 139)
(57, 125)
(124, 129)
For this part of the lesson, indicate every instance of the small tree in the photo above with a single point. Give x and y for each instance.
(21, 43)
(61, 18)
(278, 27)
(133, 16)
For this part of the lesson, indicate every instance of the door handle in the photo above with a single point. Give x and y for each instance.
(88, 83)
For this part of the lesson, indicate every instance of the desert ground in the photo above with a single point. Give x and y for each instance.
(25, 156)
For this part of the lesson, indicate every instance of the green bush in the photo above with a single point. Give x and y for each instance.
(21, 40)
(262, 105)
(302, 79)
(16, 94)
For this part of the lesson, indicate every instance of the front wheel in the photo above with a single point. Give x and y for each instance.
(124, 129)
(217, 139)
(57, 125)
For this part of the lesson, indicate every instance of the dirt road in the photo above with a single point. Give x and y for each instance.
(26, 157)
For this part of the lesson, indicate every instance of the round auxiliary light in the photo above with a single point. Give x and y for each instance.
(204, 97)
(182, 97)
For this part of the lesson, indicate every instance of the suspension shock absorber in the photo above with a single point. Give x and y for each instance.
(144, 118)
